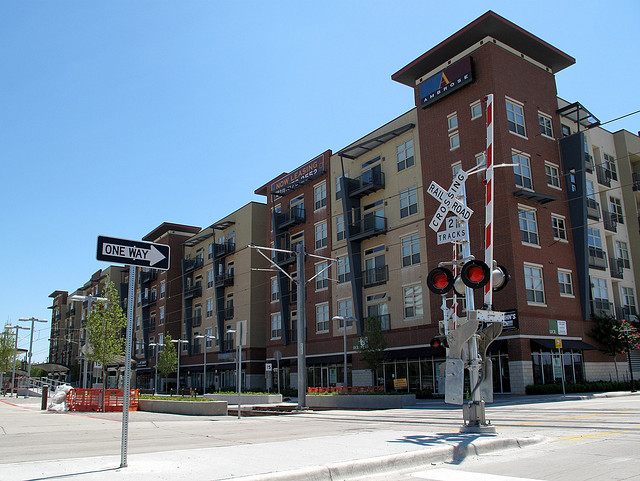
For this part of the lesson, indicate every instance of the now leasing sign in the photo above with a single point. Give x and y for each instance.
(133, 252)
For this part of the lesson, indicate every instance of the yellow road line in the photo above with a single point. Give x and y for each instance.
(573, 417)
(597, 435)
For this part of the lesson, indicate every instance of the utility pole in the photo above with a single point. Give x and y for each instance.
(89, 300)
(302, 334)
(15, 354)
(33, 321)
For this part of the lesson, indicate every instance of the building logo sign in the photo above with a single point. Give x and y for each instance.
(298, 177)
(445, 82)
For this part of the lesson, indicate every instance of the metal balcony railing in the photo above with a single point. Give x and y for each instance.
(616, 268)
(224, 280)
(189, 265)
(635, 176)
(296, 215)
(370, 226)
(375, 276)
(222, 249)
(370, 181)
(192, 292)
(604, 175)
(597, 258)
(610, 221)
(593, 209)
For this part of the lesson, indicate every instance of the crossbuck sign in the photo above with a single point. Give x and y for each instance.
(448, 201)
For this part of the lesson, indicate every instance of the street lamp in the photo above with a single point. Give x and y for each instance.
(239, 358)
(15, 354)
(179, 341)
(156, 345)
(626, 331)
(33, 321)
(206, 337)
(345, 320)
(89, 300)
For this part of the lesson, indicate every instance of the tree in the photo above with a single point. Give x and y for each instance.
(372, 345)
(6, 353)
(168, 358)
(612, 333)
(104, 331)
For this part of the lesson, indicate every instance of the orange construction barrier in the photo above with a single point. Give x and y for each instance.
(91, 400)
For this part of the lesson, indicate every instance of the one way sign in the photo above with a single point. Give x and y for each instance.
(133, 252)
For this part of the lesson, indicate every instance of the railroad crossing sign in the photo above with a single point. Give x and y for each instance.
(448, 201)
(453, 232)
(133, 252)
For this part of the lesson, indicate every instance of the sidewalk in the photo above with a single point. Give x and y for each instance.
(313, 458)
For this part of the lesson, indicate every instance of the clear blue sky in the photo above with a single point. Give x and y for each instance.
(117, 116)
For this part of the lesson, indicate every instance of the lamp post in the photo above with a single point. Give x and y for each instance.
(89, 300)
(345, 320)
(626, 333)
(179, 341)
(204, 380)
(156, 345)
(15, 353)
(239, 358)
(33, 320)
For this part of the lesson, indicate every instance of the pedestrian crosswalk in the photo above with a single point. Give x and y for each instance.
(444, 474)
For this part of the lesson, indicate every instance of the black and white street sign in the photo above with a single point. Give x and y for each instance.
(453, 232)
(133, 252)
(448, 201)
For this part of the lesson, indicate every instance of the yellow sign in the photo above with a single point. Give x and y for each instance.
(402, 382)
(558, 343)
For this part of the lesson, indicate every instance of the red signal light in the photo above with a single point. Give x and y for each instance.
(440, 280)
(440, 341)
(475, 274)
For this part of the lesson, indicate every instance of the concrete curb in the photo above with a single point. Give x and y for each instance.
(358, 469)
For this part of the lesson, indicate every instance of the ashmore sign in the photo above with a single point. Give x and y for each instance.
(445, 82)
(298, 177)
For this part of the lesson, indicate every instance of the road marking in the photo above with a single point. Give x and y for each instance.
(597, 435)
(573, 417)
(443, 474)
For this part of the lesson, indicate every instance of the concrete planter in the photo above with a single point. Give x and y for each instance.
(247, 398)
(193, 408)
(360, 401)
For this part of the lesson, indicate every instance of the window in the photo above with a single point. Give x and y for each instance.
(340, 231)
(296, 239)
(209, 339)
(545, 125)
(408, 202)
(616, 209)
(209, 279)
(197, 316)
(345, 309)
(593, 238)
(338, 186)
(412, 301)
(377, 307)
(137, 322)
(404, 155)
(515, 118)
(161, 315)
(163, 289)
(321, 235)
(610, 165)
(276, 326)
(294, 326)
(344, 269)
(160, 342)
(375, 266)
(566, 130)
(600, 293)
(210, 251)
(209, 307)
(320, 195)
(564, 283)
(322, 276)
(553, 175)
(622, 254)
(476, 110)
(410, 250)
(628, 300)
(558, 227)
(534, 284)
(454, 140)
(322, 317)
(528, 226)
(522, 170)
(452, 121)
(275, 290)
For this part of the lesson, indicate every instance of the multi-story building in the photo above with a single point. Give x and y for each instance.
(224, 290)
(158, 309)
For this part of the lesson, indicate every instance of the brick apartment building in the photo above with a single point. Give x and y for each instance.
(566, 221)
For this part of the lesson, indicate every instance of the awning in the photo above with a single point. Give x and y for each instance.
(416, 352)
(333, 359)
(50, 367)
(549, 344)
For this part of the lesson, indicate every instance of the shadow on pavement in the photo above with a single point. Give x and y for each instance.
(459, 441)
(62, 476)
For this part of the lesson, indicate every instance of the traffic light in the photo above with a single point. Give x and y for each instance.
(440, 280)
(475, 274)
(500, 277)
(439, 341)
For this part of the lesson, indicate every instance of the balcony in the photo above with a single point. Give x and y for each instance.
(610, 221)
(616, 268)
(635, 176)
(370, 226)
(370, 181)
(196, 321)
(627, 312)
(148, 276)
(193, 292)
(604, 175)
(228, 313)
(189, 265)
(285, 258)
(149, 300)
(295, 216)
(601, 306)
(222, 249)
(375, 276)
(588, 162)
(593, 209)
(597, 258)
(224, 280)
